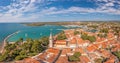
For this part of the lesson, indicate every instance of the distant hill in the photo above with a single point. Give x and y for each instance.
(69, 23)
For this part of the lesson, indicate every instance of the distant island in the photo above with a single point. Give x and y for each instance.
(71, 23)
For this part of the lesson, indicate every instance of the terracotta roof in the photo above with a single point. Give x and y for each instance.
(52, 58)
(79, 50)
(104, 44)
(84, 59)
(53, 50)
(49, 55)
(62, 59)
(110, 61)
(92, 48)
(69, 33)
(93, 55)
(65, 51)
(116, 47)
(73, 41)
(42, 56)
(110, 35)
(80, 41)
(105, 53)
(98, 39)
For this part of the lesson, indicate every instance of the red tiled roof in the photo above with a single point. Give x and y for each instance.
(84, 59)
(116, 47)
(93, 55)
(73, 41)
(98, 39)
(49, 55)
(104, 44)
(110, 35)
(105, 53)
(79, 50)
(92, 48)
(80, 41)
(42, 56)
(65, 51)
(53, 50)
(62, 59)
(110, 61)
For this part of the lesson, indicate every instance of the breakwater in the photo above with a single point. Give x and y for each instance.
(5, 40)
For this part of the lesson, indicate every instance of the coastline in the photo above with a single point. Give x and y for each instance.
(4, 41)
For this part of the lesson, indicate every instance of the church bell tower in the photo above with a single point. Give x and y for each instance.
(51, 39)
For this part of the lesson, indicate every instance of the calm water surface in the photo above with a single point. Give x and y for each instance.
(34, 32)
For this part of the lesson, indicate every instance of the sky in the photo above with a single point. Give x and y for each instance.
(59, 10)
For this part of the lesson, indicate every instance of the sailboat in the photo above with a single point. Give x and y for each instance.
(26, 34)
(40, 33)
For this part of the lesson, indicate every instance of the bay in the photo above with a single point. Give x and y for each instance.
(34, 32)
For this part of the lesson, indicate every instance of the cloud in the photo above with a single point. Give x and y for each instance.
(73, 10)
(28, 10)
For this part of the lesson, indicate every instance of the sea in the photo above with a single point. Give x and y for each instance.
(24, 31)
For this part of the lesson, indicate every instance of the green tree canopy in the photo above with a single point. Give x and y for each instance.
(76, 32)
(61, 36)
(104, 30)
(90, 38)
(16, 51)
(117, 53)
(75, 57)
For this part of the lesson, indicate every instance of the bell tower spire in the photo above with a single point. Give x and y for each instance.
(50, 39)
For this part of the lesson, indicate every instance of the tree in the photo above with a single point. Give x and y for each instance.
(99, 60)
(23, 52)
(20, 41)
(84, 36)
(29, 40)
(18, 51)
(20, 57)
(76, 32)
(45, 41)
(4, 56)
(91, 38)
(36, 47)
(104, 30)
(117, 53)
(75, 57)
(61, 36)
(93, 26)
(102, 35)
(77, 54)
